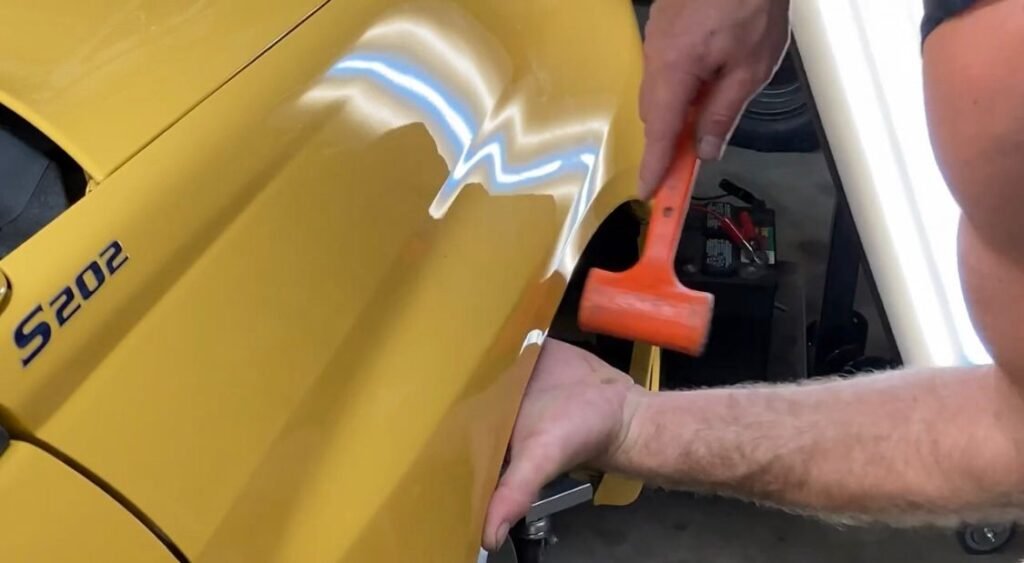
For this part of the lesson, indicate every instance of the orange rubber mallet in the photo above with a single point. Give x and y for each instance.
(647, 303)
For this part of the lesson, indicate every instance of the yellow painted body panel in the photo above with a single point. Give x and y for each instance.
(341, 264)
(104, 77)
(50, 513)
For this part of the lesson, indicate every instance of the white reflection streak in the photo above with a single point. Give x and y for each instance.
(561, 261)
(405, 32)
(535, 337)
(367, 110)
(509, 118)
(493, 150)
(410, 83)
(405, 79)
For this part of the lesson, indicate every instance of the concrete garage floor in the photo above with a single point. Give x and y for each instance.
(667, 527)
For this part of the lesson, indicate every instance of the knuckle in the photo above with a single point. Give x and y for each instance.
(666, 58)
(752, 78)
(719, 120)
(692, 57)
(699, 57)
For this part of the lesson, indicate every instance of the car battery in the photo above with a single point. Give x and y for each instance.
(740, 271)
(717, 226)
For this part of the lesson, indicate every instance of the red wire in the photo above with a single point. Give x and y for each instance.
(737, 235)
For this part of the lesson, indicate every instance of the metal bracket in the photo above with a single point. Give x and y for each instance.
(561, 494)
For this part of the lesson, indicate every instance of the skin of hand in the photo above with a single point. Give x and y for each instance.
(575, 410)
(723, 51)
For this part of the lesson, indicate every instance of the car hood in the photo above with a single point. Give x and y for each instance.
(104, 78)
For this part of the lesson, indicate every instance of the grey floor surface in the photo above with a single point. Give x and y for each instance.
(668, 527)
(665, 527)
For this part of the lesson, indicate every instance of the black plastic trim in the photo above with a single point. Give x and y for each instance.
(5, 440)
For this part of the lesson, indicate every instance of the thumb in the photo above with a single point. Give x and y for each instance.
(665, 98)
(518, 489)
(722, 109)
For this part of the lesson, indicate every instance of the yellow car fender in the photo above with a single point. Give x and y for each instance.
(297, 323)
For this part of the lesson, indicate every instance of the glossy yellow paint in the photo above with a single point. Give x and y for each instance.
(342, 262)
(104, 77)
(51, 513)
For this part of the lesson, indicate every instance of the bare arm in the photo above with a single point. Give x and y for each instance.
(936, 446)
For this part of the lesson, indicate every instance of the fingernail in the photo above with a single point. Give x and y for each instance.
(501, 535)
(710, 148)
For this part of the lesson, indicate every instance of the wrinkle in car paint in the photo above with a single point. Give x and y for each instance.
(460, 137)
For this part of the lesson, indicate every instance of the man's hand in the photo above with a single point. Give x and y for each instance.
(724, 50)
(577, 409)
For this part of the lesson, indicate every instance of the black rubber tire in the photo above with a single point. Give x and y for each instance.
(973, 544)
(779, 118)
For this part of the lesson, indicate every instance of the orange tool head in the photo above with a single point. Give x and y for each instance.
(647, 302)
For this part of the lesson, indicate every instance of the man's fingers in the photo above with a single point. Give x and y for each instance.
(725, 103)
(516, 492)
(657, 156)
(665, 97)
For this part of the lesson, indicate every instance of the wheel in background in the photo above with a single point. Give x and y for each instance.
(779, 118)
(984, 539)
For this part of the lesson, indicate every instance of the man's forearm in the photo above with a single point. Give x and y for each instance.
(910, 447)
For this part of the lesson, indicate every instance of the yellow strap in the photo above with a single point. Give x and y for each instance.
(645, 368)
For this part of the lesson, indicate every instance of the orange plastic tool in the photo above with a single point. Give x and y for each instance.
(647, 302)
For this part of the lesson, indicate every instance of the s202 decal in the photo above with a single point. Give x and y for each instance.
(38, 328)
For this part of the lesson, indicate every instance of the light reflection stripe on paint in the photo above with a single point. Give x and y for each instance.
(460, 128)
(533, 338)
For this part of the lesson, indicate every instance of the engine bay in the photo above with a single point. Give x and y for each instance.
(38, 181)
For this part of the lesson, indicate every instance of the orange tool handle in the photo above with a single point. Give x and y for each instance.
(647, 302)
(668, 212)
